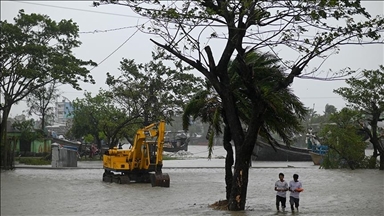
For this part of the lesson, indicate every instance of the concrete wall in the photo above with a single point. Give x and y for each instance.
(62, 157)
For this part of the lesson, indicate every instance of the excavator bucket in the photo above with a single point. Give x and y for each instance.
(160, 180)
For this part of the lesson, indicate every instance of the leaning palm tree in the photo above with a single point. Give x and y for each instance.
(284, 109)
(282, 117)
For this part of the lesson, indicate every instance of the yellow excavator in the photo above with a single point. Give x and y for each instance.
(142, 162)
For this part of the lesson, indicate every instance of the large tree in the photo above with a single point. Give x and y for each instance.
(313, 29)
(366, 94)
(35, 51)
(101, 117)
(86, 117)
(284, 110)
(155, 90)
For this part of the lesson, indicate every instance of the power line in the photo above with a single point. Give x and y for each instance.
(115, 50)
(108, 30)
(106, 13)
(82, 10)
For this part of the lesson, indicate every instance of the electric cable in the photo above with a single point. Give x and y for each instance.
(115, 50)
(107, 30)
(82, 10)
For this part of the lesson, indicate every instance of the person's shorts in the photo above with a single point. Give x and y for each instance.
(294, 201)
(279, 199)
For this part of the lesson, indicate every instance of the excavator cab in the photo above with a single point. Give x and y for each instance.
(143, 162)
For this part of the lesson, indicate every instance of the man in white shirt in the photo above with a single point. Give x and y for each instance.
(281, 187)
(295, 189)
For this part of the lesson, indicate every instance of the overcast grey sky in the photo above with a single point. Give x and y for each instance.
(98, 45)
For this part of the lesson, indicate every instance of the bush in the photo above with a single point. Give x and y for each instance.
(333, 161)
(165, 157)
(32, 154)
(33, 161)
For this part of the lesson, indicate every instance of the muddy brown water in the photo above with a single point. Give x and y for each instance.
(81, 192)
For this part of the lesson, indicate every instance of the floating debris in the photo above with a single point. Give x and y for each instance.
(179, 154)
(220, 205)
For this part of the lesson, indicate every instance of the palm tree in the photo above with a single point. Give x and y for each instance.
(282, 117)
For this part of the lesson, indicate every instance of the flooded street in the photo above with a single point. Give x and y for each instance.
(195, 183)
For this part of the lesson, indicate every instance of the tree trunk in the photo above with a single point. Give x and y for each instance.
(5, 144)
(98, 141)
(240, 182)
(43, 121)
(109, 142)
(377, 151)
(12, 152)
(228, 161)
(351, 164)
(242, 164)
(43, 131)
(374, 151)
(244, 144)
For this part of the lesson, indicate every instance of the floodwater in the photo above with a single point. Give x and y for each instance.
(195, 183)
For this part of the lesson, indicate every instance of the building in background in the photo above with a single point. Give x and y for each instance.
(63, 112)
(63, 118)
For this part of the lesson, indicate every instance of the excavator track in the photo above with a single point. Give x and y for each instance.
(156, 179)
(111, 177)
(107, 176)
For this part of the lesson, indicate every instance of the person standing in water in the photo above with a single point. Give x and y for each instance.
(295, 187)
(281, 187)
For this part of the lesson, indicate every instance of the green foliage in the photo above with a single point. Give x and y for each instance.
(346, 146)
(35, 51)
(153, 90)
(366, 94)
(88, 138)
(85, 116)
(284, 111)
(371, 162)
(34, 161)
(202, 105)
(329, 109)
(165, 157)
(26, 127)
(102, 118)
